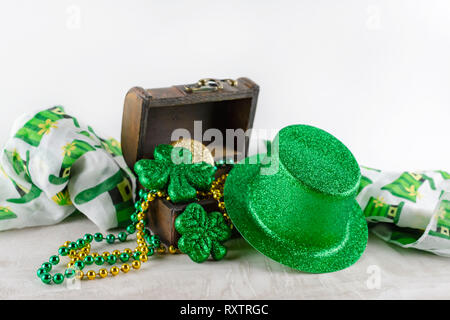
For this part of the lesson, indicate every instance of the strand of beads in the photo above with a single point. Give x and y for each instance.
(217, 193)
(216, 190)
(80, 255)
(79, 251)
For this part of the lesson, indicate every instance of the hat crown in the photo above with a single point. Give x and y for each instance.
(312, 183)
(318, 160)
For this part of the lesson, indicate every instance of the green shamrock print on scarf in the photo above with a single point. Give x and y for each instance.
(202, 233)
(173, 168)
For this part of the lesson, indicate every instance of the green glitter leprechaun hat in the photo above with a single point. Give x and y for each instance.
(297, 206)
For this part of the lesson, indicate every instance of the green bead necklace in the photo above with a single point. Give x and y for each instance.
(147, 244)
(80, 256)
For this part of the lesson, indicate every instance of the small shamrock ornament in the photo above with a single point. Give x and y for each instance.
(173, 168)
(202, 233)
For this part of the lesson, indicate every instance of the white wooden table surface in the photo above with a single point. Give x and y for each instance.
(244, 274)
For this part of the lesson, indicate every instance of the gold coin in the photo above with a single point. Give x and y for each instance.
(199, 151)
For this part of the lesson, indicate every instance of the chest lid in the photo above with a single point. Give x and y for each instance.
(217, 113)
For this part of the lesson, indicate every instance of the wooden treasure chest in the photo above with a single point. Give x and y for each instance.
(214, 112)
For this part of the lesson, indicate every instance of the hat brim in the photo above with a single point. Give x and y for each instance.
(297, 256)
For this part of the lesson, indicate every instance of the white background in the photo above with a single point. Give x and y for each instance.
(374, 73)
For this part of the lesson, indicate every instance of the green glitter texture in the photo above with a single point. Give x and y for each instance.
(304, 213)
(202, 233)
(173, 169)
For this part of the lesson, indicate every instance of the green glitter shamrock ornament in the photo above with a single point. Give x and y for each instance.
(202, 233)
(173, 168)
